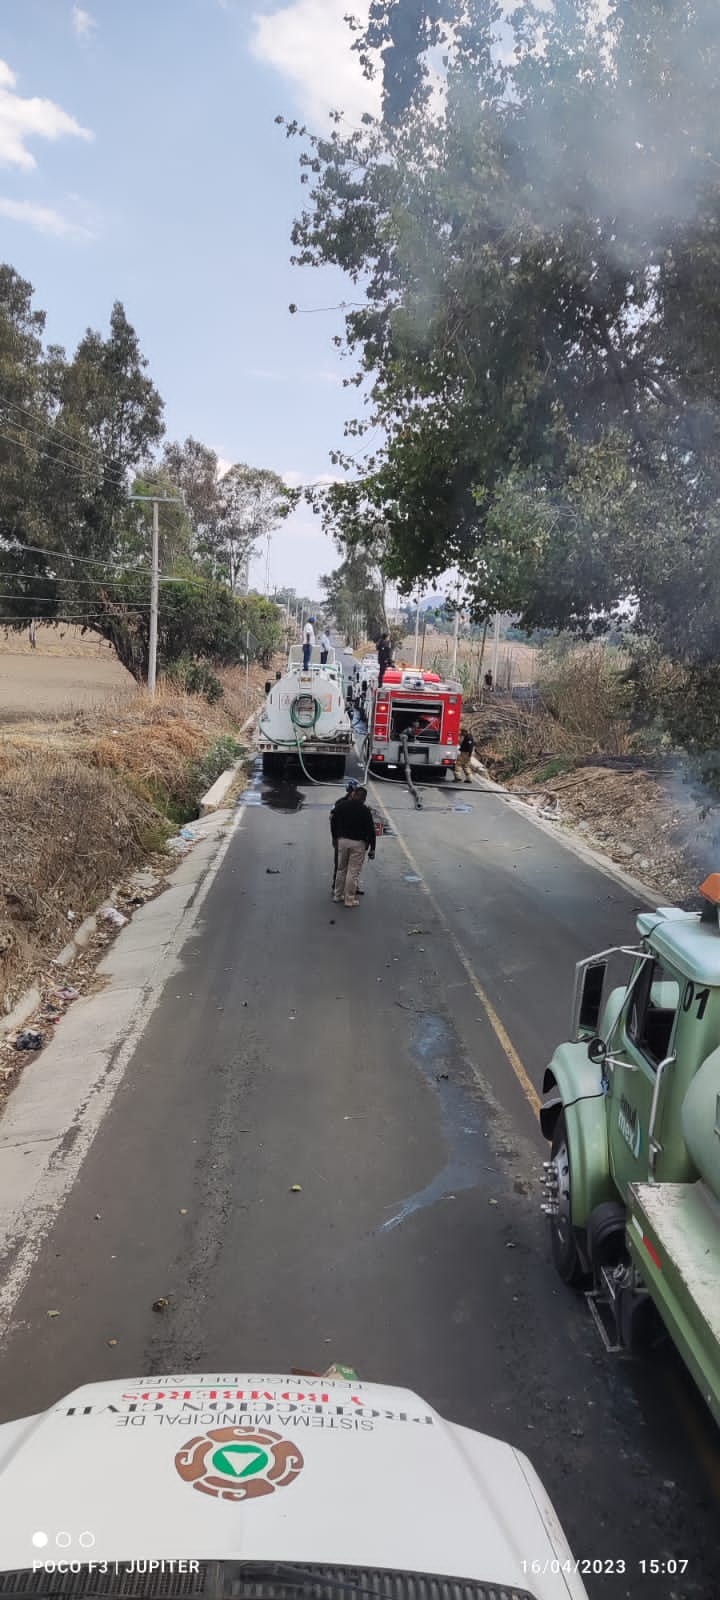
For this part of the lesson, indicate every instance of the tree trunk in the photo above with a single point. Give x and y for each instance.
(131, 649)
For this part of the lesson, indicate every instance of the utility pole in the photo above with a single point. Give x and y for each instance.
(417, 629)
(456, 631)
(496, 648)
(267, 567)
(155, 500)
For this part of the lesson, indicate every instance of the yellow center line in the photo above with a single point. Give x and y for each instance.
(498, 1027)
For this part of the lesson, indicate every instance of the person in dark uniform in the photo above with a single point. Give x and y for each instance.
(385, 655)
(353, 829)
(465, 755)
(350, 787)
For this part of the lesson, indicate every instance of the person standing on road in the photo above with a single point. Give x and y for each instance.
(354, 829)
(465, 755)
(350, 786)
(308, 643)
(324, 647)
(385, 656)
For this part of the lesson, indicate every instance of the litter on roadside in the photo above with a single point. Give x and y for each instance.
(112, 915)
(29, 1039)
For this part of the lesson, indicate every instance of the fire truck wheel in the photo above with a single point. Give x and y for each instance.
(565, 1252)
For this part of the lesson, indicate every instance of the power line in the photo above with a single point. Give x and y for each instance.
(71, 460)
(66, 555)
(78, 461)
(89, 451)
(74, 444)
(91, 561)
(22, 444)
(112, 606)
(67, 616)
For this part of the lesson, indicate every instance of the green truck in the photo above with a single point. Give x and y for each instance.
(632, 1113)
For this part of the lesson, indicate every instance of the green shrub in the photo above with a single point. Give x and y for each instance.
(196, 677)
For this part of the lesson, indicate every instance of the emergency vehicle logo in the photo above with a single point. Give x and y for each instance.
(234, 1464)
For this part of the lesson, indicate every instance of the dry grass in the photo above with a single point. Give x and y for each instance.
(66, 832)
(581, 710)
(85, 798)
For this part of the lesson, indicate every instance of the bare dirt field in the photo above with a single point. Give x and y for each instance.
(65, 673)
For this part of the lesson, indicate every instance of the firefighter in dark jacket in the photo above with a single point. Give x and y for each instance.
(465, 755)
(353, 831)
(385, 656)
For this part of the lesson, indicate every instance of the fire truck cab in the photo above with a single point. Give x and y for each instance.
(421, 707)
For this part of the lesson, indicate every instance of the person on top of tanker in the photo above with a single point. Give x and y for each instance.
(308, 643)
(385, 655)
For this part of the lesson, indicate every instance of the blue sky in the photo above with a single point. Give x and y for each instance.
(140, 161)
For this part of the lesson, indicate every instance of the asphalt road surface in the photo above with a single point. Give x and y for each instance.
(385, 1059)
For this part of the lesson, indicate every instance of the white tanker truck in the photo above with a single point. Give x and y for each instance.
(305, 716)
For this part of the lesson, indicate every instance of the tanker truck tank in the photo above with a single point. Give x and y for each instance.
(700, 1118)
(304, 716)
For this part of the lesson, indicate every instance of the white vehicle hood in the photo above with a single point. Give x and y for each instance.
(248, 1467)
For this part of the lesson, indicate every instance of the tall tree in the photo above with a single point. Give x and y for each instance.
(194, 469)
(112, 410)
(355, 598)
(251, 503)
(24, 415)
(538, 249)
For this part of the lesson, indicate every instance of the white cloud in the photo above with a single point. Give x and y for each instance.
(308, 42)
(300, 480)
(265, 375)
(83, 23)
(21, 120)
(44, 218)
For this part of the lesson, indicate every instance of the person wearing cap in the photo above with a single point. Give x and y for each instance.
(308, 643)
(384, 655)
(465, 755)
(350, 787)
(353, 828)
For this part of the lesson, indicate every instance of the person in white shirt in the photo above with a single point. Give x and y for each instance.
(324, 646)
(308, 643)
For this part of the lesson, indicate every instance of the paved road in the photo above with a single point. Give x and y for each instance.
(385, 1060)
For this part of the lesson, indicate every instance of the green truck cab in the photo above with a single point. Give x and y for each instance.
(632, 1112)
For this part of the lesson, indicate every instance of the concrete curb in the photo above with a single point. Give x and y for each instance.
(212, 801)
(62, 1094)
(28, 1002)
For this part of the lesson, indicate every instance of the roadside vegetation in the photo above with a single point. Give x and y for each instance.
(82, 453)
(83, 800)
(530, 231)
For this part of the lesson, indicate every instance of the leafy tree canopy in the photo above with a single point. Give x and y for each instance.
(534, 224)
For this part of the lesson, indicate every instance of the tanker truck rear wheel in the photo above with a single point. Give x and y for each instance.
(565, 1253)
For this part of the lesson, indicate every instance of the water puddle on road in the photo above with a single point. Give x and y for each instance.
(277, 796)
(435, 1051)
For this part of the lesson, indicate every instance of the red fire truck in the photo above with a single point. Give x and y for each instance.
(422, 707)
